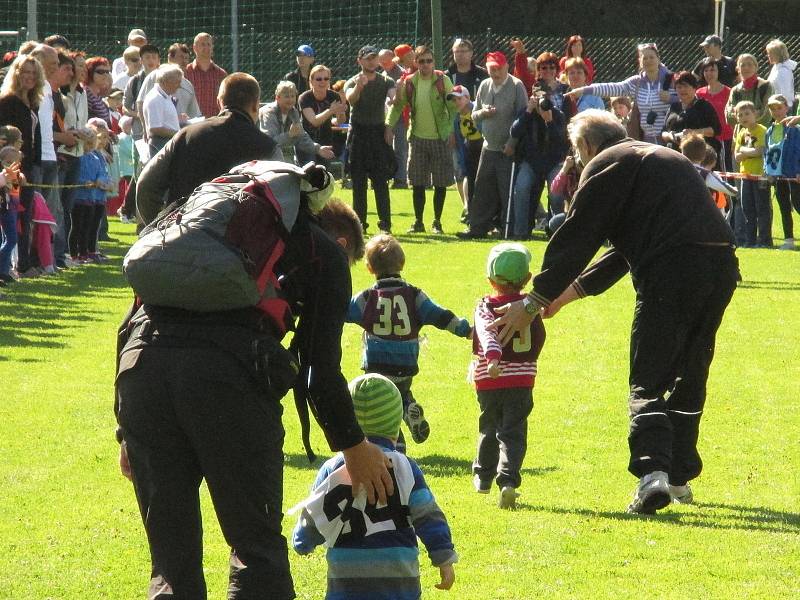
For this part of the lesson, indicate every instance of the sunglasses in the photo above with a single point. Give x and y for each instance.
(424, 61)
(102, 71)
(322, 78)
(648, 46)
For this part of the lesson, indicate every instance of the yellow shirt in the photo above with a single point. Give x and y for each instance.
(754, 137)
(424, 121)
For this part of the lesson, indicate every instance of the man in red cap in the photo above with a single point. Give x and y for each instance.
(499, 100)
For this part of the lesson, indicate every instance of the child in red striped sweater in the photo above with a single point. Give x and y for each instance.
(504, 377)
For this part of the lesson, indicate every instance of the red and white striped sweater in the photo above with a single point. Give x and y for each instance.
(517, 358)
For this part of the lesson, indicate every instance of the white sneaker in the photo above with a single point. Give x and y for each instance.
(482, 487)
(651, 494)
(681, 494)
(788, 244)
(508, 497)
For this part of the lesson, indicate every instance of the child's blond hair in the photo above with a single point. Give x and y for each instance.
(385, 255)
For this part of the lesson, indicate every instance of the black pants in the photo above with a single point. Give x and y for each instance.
(679, 307)
(194, 413)
(380, 188)
(787, 193)
(502, 435)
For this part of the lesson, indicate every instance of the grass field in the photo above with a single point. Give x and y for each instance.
(70, 528)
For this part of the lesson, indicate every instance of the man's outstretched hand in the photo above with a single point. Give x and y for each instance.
(368, 466)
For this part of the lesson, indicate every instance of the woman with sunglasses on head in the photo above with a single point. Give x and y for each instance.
(650, 90)
(98, 85)
(319, 105)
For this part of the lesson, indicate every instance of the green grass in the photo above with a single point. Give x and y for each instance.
(70, 528)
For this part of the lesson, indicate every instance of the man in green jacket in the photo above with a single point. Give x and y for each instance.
(425, 91)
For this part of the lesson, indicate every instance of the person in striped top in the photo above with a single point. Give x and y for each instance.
(392, 313)
(372, 550)
(504, 377)
(650, 89)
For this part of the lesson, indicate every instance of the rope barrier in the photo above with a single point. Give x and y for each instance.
(749, 177)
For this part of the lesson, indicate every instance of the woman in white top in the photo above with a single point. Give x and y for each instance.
(781, 76)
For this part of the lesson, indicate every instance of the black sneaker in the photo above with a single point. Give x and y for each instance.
(436, 227)
(384, 227)
(417, 227)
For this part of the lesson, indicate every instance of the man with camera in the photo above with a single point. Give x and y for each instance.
(500, 99)
(541, 145)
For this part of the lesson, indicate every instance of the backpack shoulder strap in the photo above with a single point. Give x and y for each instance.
(439, 82)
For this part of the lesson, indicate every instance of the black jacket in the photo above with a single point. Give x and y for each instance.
(198, 154)
(647, 200)
(14, 112)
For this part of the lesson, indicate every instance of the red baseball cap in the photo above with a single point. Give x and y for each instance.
(496, 58)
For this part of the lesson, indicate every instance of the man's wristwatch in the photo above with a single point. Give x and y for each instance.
(531, 307)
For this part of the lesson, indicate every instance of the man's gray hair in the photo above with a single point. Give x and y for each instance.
(168, 72)
(285, 87)
(595, 127)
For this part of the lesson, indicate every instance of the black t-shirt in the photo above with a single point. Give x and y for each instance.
(323, 134)
(699, 115)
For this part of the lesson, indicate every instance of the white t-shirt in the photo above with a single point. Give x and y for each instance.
(187, 101)
(159, 110)
(121, 81)
(46, 123)
(118, 67)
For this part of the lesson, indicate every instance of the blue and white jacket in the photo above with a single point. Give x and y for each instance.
(372, 550)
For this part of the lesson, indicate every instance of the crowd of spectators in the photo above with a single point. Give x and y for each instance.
(77, 130)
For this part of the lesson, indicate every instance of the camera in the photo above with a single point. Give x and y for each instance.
(651, 117)
(543, 95)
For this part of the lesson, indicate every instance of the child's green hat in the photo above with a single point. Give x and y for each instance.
(378, 405)
(509, 263)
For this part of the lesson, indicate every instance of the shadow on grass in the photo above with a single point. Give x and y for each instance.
(449, 466)
(703, 515)
(787, 286)
(300, 461)
(33, 308)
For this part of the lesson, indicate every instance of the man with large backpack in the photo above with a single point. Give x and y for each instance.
(431, 134)
(198, 391)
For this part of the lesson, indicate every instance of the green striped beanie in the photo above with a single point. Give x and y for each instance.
(378, 405)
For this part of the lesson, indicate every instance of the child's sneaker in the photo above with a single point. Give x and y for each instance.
(508, 497)
(481, 486)
(681, 494)
(415, 419)
(651, 494)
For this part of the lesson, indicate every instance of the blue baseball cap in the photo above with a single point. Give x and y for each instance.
(305, 50)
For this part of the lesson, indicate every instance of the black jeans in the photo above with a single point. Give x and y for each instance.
(193, 413)
(380, 188)
(502, 435)
(787, 193)
(680, 302)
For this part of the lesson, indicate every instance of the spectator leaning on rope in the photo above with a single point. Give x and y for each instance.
(431, 134)
(650, 90)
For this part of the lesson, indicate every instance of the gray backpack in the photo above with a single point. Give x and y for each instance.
(217, 251)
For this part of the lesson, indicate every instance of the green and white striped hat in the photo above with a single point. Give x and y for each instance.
(378, 405)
